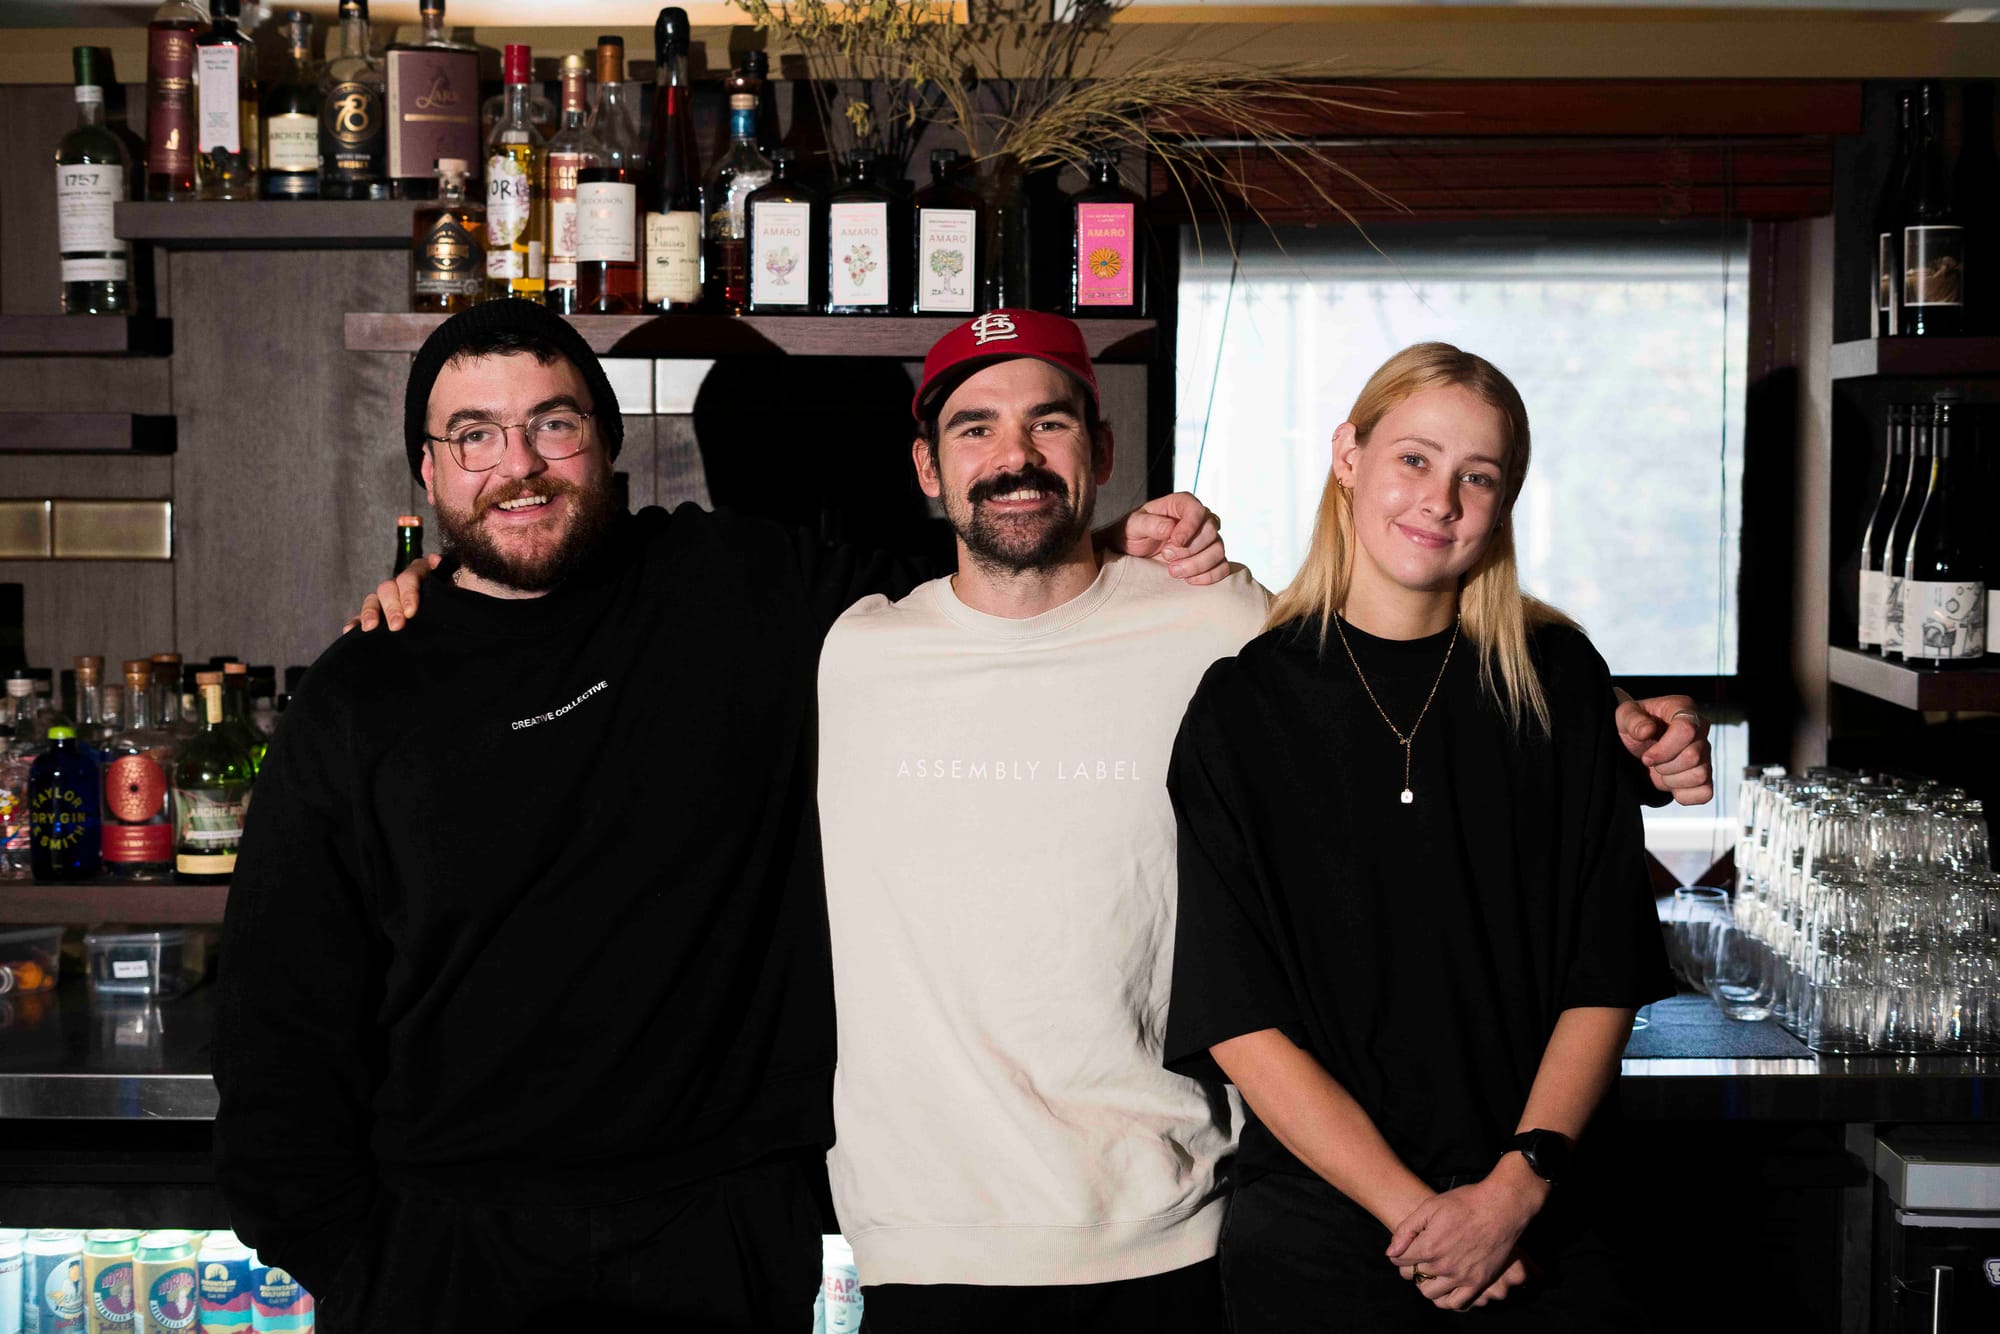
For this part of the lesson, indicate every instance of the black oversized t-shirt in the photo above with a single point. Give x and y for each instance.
(1420, 952)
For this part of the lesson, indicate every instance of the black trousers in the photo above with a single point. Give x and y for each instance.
(738, 1253)
(1298, 1256)
(1182, 1301)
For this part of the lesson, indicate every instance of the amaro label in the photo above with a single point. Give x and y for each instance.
(945, 255)
(1104, 248)
(780, 242)
(859, 236)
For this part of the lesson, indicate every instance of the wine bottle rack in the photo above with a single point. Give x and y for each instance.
(1930, 689)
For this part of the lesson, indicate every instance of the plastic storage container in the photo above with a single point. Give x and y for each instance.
(30, 959)
(143, 963)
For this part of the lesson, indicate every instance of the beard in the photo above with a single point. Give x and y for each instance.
(1018, 543)
(592, 511)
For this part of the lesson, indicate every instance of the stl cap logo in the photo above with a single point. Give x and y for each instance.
(993, 328)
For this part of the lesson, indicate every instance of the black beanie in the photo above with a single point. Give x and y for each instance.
(510, 315)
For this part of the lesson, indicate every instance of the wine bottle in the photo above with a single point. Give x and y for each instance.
(782, 218)
(1874, 591)
(353, 122)
(742, 170)
(673, 173)
(607, 196)
(1944, 590)
(226, 106)
(448, 246)
(1885, 305)
(1899, 532)
(946, 232)
(1934, 246)
(572, 150)
(1107, 238)
(433, 105)
(291, 117)
(860, 253)
(409, 542)
(516, 177)
(211, 793)
(170, 110)
(91, 177)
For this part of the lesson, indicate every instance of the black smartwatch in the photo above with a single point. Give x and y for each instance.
(1547, 1153)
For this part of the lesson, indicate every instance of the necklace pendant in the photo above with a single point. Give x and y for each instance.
(1408, 796)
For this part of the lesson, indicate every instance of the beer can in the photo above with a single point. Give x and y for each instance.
(13, 1241)
(224, 1269)
(165, 1284)
(277, 1302)
(52, 1300)
(108, 1282)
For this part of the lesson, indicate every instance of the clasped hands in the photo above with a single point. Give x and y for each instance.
(1462, 1248)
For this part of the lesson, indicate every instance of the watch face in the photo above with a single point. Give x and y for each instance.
(1546, 1151)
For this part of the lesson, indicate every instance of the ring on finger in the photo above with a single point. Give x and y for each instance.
(1419, 1276)
(1684, 713)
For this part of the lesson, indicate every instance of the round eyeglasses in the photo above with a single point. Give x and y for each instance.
(479, 446)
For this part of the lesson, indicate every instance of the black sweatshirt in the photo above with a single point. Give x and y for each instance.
(529, 908)
(1421, 953)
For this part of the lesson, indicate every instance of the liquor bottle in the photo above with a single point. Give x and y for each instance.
(138, 829)
(783, 221)
(1886, 305)
(111, 707)
(91, 732)
(1874, 595)
(264, 699)
(211, 791)
(433, 101)
(1934, 249)
(353, 121)
(91, 176)
(167, 712)
(447, 249)
(607, 195)
(409, 542)
(673, 194)
(226, 106)
(236, 713)
(516, 176)
(742, 170)
(291, 117)
(170, 112)
(1899, 532)
(64, 811)
(1944, 589)
(17, 758)
(946, 231)
(1975, 180)
(1107, 259)
(752, 76)
(860, 269)
(48, 713)
(572, 150)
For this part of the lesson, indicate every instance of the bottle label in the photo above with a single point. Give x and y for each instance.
(510, 200)
(945, 248)
(85, 193)
(291, 141)
(170, 102)
(218, 116)
(352, 124)
(1933, 266)
(1104, 248)
(780, 244)
(60, 815)
(433, 109)
(606, 222)
(208, 825)
(1892, 615)
(1943, 621)
(673, 258)
(1885, 283)
(449, 262)
(1874, 607)
(860, 248)
(135, 789)
(563, 168)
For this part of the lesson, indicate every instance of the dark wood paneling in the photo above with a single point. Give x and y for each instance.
(122, 609)
(89, 905)
(84, 433)
(87, 384)
(58, 335)
(1913, 687)
(261, 223)
(1921, 358)
(139, 477)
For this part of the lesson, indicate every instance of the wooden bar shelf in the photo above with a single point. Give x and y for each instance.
(89, 903)
(267, 224)
(86, 433)
(1916, 358)
(84, 335)
(1929, 689)
(709, 336)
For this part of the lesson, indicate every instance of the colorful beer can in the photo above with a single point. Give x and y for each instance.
(13, 1244)
(52, 1300)
(109, 1305)
(165, 1287)
(277, 1302)
(224, 1270)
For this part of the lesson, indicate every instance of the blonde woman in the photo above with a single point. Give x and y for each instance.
(1414, 919)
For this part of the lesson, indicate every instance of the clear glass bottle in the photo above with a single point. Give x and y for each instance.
(861, 255)
(573, 149)
(290, 116)
(18, 749)
(433, 105)
(212, 779)
(353, 117)
(138, 824)
(607, 195)
(516, 178)
(784, 225)
(63, 807)
(945, 230)
(1887, 301)
(1934, 240)
(171, 164)
(90, 728)
(742, 170)
(167, 712)
(1944, 588)
(92, 174)
(1107, 252)
(448, 246)
(226, 108)
(673, 279)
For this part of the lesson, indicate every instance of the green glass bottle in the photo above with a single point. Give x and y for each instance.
(236, 714)
(211, 793)
(92, 174)
(409, 542)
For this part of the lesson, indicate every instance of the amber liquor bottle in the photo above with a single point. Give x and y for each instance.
(448, 250)
(607, 195)
(171, 171)
(353, 123)
(433, 100)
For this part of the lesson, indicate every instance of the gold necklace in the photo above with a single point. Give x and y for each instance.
(1401, 739)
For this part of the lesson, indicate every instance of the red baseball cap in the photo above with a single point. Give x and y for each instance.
(1002, 335)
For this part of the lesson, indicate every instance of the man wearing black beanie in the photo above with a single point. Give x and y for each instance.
(525, 1010)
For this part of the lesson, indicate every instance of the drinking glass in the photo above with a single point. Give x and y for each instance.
(1701, 910)
(1736, 973)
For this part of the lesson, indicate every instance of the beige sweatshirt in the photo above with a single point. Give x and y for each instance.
(1001, 889)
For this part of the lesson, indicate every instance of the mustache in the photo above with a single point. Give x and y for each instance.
(1027, 479)
(549, 486)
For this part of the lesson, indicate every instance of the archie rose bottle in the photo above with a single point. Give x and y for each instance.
(211, 792)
